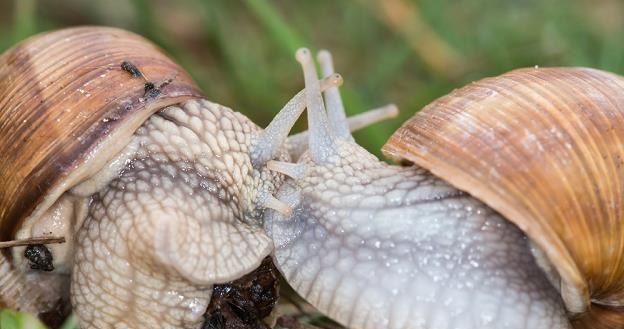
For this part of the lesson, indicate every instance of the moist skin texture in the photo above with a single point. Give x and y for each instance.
(379, 246)
(178, 219)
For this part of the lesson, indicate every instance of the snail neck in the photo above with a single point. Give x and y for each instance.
(354, 178)
(178, 218)
(365, 235)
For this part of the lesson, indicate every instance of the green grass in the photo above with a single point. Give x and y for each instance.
(17, 320)
(241, 53)
(401, 51)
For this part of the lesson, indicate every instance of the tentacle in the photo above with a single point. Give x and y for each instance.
(272, 138)
(321, 140)
(335, 109)
(272, 202)
(298, 143)
(370, 117)
(292, 170)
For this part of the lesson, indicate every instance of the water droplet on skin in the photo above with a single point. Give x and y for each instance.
(486, 318)
(196, 307)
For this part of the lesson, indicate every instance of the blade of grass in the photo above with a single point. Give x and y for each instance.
(277, 27)
(404, 18)
(289, 41)
(246, 75)
(17, 320)
(24, 19)
(70, 323)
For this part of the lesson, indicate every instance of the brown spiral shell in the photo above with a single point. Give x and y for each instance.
(66, 108)
(545, 148)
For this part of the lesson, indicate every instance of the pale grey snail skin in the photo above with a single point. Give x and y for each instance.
(179, 212)
(380, 246)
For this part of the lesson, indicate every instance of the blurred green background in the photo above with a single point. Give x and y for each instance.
(403, 51)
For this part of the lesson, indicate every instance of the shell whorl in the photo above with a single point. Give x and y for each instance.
(544, 147)
(64, 98)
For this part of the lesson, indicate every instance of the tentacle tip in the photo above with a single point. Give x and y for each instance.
(324, 55)
(279, 206)
(287, 211)
(393, 110)
(303, 55)
(337, 80)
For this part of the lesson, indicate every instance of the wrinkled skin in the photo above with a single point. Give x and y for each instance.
(175, 222)
(379, 246)
(176, 211)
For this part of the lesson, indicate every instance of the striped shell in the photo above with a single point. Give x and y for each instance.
(545, 148)
(44, 85)
(66, 108)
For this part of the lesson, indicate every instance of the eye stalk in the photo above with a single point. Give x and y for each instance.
(333, 102)
(269, 143)
(321, 139)
(274, 137)
(324, 132)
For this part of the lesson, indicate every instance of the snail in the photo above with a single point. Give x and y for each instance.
(508, 213)
(151, 193)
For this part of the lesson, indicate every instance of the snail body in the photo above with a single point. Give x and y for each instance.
(426, 246)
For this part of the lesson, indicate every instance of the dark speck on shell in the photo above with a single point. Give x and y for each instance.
(131, 68)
